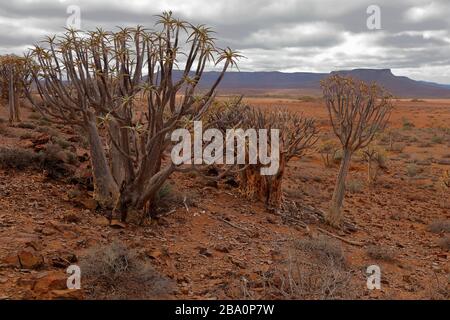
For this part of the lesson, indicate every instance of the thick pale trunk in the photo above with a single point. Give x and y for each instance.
(106, 190)
(134, 197)
(334, 216)
(117, 165)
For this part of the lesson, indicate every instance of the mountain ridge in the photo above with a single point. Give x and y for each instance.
(399, 86)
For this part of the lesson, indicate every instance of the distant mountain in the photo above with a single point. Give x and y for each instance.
(399, 86)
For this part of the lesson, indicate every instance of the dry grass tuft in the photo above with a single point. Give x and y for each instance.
(439, 226)
(381, 253)
(314, 269)
(115, 272)
(444, 243)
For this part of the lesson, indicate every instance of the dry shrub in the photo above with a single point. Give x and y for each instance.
(439, 288)
(381, 253)
(52, 160)
(397, 147)
(314, 269)
(323, 248)
(444, 243)
(115, 272)
(49, 160)
(412, 170)
(26, 125)
(328, 151)
(17, 158)
(169, 197)
(439, 226)
(354, 186)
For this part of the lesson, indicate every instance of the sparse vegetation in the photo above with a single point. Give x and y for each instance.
(437, 139)
(444, 243)
(412, 170)
(18, 158)
(380, 253)
(323, 276)
(63, 143)
(439, 226)
(354, 186)
(407, 124)
(328, 152)
(114, 271)
(26, 125)
(376, 161)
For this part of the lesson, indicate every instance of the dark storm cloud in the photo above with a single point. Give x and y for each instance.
(286, 35)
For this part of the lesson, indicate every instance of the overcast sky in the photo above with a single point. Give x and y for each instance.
(283, 35)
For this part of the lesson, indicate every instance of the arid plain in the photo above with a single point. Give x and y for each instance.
(209, 242)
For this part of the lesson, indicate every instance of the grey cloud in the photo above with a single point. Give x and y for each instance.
(288, 35)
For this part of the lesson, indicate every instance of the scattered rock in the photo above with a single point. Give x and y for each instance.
(204, 252)
(63, 260)
(11, 261)
(50, 281)
(222, 248)
(101, 221)
(72, 218)
(90, 204)
(155, 254)
(30, 259)
(67, 294)
(116, 224)
(238, 263)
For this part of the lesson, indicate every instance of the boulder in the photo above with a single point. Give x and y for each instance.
(30, 259)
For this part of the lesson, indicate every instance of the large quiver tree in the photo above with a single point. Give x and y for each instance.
(96, 81)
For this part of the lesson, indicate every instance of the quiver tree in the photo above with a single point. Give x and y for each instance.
(328, 151)
(376, 160)
(14, 76)
(297, 135)
(94, 80)
(357, 111)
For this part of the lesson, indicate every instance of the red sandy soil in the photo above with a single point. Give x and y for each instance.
(210, 245)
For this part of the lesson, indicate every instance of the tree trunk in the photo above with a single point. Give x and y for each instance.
(106, 190)
(16, 103)
(11, 95)
(263, 188)
(274, 190)
(134, 197)
(117, 165)
(252, 184)
(334, 216)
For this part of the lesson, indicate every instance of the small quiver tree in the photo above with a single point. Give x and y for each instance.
(357, 111)
(375, 158)
(14, 74)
